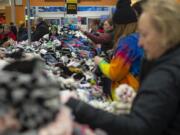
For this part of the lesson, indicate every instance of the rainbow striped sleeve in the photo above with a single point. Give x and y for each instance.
(105, 67)
(117, 69)
(122, 60)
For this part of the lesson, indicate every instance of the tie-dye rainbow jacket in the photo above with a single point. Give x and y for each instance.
(124, 67)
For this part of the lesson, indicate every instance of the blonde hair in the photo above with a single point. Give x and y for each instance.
(122, 30)
(165, 16)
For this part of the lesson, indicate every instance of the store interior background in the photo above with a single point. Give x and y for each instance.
(53, 11)
(15, 10)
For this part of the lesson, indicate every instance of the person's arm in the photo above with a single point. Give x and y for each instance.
(116, 70)
(62, 125)
(100, 39)
(122, 60)
(8, 43)
(153, 109)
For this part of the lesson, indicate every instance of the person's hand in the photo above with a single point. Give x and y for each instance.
(81, 29)
(66, 95)
(62, 125)
(84, 128)
(11, 41)
(8, 43)
(9, 122)
(2, 54)
(97, 60)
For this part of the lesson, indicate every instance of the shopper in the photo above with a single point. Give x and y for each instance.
(100, 28)
(155, 110)
(13, 28)
(124, 67)
(105, 39)
(22, 32)
(9, 37)
(41, 29)
(53, 33)
(93, 26)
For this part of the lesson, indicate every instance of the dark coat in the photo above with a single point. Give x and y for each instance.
(41, 30)
(155, 110)
(13, 29)
(22, 34)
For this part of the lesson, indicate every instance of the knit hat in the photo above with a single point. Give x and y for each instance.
(137, 6)
(124, 13)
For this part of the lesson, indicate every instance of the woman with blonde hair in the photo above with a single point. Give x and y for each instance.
(124, 66)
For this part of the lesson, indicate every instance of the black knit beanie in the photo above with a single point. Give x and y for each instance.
(137, 6)
(124, 13)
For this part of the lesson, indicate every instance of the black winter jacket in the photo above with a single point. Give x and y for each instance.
(41, 30)
(22, 34)
(155, 110)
